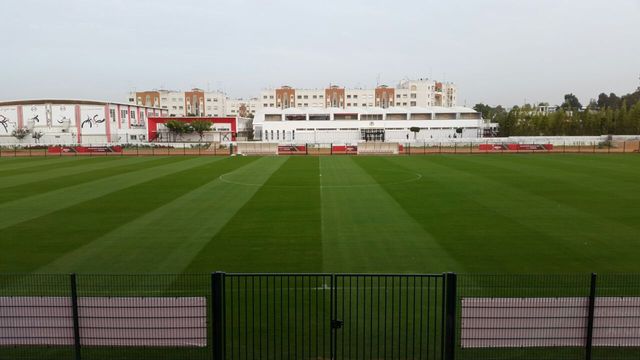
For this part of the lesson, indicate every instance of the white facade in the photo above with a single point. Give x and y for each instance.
(65, 122)
(352, 125)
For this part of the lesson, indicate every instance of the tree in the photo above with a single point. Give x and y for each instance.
(415, 130)
(175, 127)
(486, 110)
(20, 133)
(200, 127)
(571, 102)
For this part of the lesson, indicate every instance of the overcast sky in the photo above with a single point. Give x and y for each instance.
(496, 51)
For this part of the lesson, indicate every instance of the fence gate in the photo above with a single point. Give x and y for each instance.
(388, 316)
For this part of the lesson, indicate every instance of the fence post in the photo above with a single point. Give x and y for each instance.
(450, 282)
(76, 320)
(137, 150)
(592, 300)
(624, 146)
(217, 314)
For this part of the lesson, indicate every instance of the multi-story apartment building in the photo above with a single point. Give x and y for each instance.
(195, 102)
(408, 93)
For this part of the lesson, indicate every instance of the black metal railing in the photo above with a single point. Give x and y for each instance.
(319, 316)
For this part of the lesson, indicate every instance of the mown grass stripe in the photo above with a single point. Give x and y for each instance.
(278, 229)
(569, 178)
(61, 177)
(167, 238)
(34, 165)
(364, 229)
(49, 236)
(22, 210)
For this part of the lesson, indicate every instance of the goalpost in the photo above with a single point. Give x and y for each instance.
(378, 148)
(256, 148)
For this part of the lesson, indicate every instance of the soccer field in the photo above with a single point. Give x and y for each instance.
(464, 213)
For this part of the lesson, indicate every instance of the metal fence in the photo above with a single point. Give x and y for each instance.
(411, 148)
(320, 316)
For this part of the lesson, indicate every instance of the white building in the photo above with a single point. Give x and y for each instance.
(420, 93)
(355, 124)
(195, 102)
(63, 121)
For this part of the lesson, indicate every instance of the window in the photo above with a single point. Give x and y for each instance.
(270, 96)
(320, 96)
(180, 99)
(315, 96)
(175, 107)
(348, 104)
(299, 104)
(112, 114)
(133, 137)
(398, 96)
(131, 99)
(181, 107)
(123, 114)
(133, 115)
(271, 134)
(348, 96)
(413, 96)
(305, 97)
(265, 105)
(299, 96)
(208, 100)
(355, 96)
(413, 103)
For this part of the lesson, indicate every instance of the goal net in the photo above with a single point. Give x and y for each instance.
(378, 148)
(256, 148)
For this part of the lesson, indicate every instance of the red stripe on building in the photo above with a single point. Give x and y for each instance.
(118, 115)
(20, 117)
(78, 124)
(107, 117)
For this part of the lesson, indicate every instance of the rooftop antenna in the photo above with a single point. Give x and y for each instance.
(378, 80)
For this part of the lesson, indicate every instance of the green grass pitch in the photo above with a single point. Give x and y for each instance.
(465, 213)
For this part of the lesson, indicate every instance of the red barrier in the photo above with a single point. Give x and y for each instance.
(83, 149)
(292, 150)
(515, 147)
